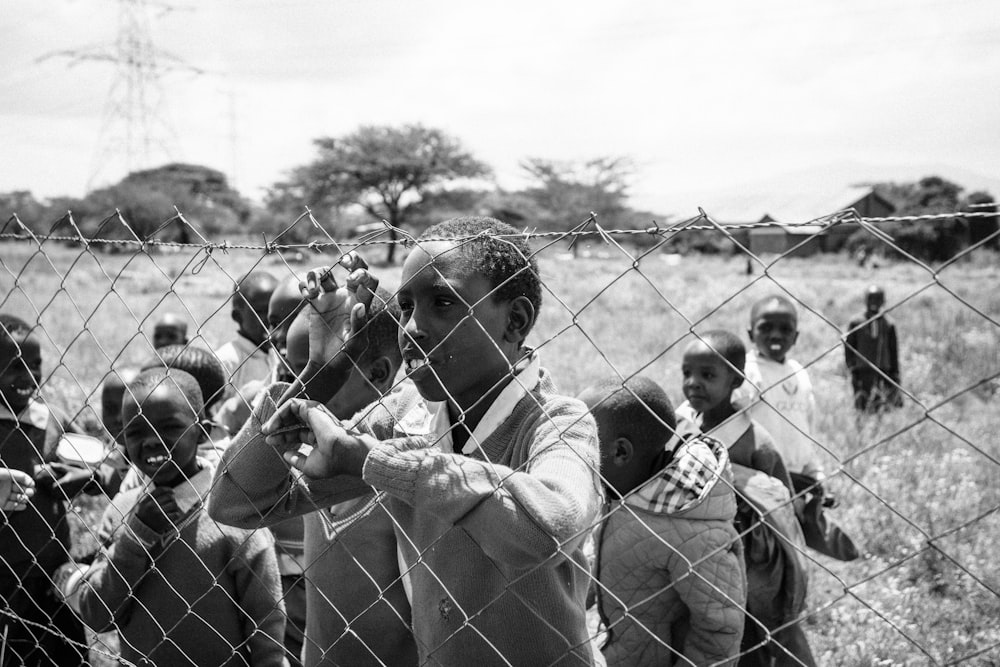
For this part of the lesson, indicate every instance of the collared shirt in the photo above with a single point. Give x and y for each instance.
(526, 376)
(36, 414)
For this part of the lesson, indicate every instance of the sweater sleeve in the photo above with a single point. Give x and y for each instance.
(258, 594)
(518, 517)
(709, 578)
(253, 485)
(106, 593)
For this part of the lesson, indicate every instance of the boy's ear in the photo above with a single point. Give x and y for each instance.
(750, 334)
(379, 373)
(520, 319)
(624, 450)
(738, 380)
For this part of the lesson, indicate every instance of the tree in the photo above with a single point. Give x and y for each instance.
(934, 240)
(387, 171)
(567, 192)
(982, 227)
(147, 199)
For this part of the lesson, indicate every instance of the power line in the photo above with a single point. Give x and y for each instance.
(134, 128)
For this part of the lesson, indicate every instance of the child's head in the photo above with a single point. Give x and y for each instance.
(171, 329)
(713, 368)
(634, 424)
(376, 368)
(466, 266)
(874, 300)
(20, 363)
(774, 326)
(285, 303)
(199, 363)
(251, 298)
(111, 400)
(160, 411)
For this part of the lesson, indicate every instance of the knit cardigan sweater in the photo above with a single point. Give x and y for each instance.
(357, 612)
(208, 596)
(492, 542)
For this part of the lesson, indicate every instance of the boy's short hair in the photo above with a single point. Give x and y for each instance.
(198, 362)
(728, 345)
(498, 251)
(383, 329)
(640, 410)
(13, 328)
(152, 378)
(779, 300)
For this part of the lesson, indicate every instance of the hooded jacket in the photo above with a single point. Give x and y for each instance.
(672, 583)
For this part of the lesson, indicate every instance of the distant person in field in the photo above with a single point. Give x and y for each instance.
(493, 495)
(178, 587)
(872, 354)
(713, 368)
(247, 357)
(36, 627)
(356, 609)
(171, 329)
(669, 563)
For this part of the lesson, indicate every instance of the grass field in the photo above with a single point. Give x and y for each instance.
(919, 488)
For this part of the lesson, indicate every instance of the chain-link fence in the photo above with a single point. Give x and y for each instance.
(870, 540)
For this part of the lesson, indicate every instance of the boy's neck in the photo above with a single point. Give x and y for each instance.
(715, 416)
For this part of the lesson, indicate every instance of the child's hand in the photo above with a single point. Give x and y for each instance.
(335, 450)
(158, 509)
(63, 478)
(16, 489)
(338, 313)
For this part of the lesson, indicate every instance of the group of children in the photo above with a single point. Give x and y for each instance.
(374, 479)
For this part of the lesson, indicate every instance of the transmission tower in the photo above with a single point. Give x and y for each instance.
(135, 130)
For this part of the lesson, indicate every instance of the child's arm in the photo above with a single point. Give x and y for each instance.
(258, 594)
(254, 485)
(851, 346)
(519, 517)
(710, 579)
(107, 591)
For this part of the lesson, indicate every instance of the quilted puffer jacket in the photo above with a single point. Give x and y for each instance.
(670, 565)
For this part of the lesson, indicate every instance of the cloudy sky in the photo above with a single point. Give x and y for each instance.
(703, 96)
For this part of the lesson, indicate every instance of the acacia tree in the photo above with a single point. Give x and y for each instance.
(386, 170)
(566, 192)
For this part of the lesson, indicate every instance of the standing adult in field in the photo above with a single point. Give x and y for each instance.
(872, 355)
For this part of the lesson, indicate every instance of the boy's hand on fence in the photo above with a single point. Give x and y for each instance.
(16, 489)
(62, 478)
(335, 451)
(158, 509)
(338, 312)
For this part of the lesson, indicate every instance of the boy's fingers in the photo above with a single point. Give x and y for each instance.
(317, 281)
(358, 318)
(353, 261)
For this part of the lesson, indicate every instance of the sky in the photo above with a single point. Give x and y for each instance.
(709, 99)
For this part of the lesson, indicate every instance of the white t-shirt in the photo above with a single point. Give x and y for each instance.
(780, 396)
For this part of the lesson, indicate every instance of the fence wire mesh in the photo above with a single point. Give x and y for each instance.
(881, 550)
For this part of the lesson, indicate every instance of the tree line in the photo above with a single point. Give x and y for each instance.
(412, 176)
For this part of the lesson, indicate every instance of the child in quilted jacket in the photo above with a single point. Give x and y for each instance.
(671, 581)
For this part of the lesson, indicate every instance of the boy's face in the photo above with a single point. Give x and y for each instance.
(20, 370)
(282, 308)
(708, 380)
(774, 332)
(162, 441)
(168, 334)
(874, 302)
(453, 333)
(250, 310)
